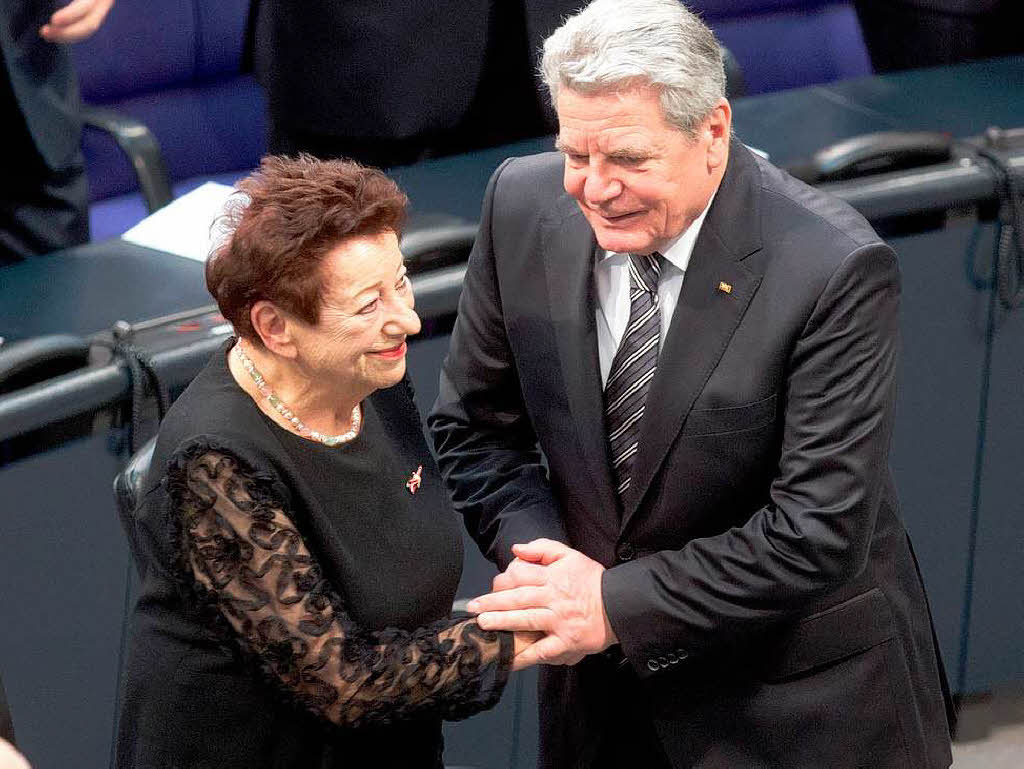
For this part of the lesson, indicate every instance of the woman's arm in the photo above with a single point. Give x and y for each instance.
(247, 560)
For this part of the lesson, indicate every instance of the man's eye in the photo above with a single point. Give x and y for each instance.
(576, 158)
(402, 284)
(367, 309)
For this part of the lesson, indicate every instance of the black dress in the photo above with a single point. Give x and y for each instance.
(294, 608)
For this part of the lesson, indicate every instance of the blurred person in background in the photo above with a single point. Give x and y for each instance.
(44, 196)
(391, 82)
(903, 34)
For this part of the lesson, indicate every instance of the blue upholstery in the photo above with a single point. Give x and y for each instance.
(788, 43)
(175, 66)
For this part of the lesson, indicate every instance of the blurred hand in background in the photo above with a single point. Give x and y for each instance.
(76, 21)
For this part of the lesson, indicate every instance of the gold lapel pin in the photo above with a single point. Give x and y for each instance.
(725, 288)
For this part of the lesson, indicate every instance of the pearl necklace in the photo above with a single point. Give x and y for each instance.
(281, 408)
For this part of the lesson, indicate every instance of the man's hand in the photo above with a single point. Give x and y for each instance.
(553, 589)
(76, 21)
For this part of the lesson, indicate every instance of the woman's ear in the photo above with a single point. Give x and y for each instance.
(273, 327)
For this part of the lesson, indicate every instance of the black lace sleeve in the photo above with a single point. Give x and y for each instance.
(248, 561)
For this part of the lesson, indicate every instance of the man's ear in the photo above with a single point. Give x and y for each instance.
(273, 327)
(719, 128)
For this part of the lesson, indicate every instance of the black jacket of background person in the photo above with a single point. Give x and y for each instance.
(761, 582)
(379, 69)
(942, 31)
(42, 79)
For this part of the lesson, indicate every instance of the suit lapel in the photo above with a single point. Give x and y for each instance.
(569, 248)
(704, 319)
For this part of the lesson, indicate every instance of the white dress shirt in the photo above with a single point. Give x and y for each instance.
(611, 281)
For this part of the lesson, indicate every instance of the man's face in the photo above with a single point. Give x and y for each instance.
(639, 181)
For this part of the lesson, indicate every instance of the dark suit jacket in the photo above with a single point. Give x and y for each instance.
(367, 69)
(760, 581)
(42, 79)
(942, 31)
(373, 69)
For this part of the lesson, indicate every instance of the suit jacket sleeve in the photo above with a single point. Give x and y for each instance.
(486, 445)
(814, 534)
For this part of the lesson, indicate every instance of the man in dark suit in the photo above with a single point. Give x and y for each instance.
(703, 350)
(44, 198)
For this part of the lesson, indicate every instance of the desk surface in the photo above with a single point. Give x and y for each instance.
(962, 101)
(91, 287)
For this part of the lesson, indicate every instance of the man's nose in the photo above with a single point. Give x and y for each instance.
(600, 187)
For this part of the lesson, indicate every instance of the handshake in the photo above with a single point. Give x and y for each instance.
(550, 597)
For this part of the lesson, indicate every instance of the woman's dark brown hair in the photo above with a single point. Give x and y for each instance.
(291, 213)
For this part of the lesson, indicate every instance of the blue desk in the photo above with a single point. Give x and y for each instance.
(89, 288)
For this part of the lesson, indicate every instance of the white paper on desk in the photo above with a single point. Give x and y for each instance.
(185, 225)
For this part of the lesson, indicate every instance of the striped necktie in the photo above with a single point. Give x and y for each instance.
(629, 379)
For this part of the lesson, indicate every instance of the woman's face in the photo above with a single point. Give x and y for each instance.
(358, 345)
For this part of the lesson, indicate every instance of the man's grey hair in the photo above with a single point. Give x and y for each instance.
(612, 45)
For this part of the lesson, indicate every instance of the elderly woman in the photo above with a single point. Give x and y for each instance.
(300, 554)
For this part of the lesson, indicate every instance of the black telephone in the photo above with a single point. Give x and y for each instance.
(874, 153)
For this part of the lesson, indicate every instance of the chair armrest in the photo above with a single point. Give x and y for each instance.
(434, 241)
(142, 149)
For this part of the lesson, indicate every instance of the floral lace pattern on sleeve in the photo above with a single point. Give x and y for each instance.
(249, 562)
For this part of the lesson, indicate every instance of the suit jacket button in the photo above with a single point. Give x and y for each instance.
(653, 666)
(625, 552)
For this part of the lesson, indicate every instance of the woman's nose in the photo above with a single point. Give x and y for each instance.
(402, 319)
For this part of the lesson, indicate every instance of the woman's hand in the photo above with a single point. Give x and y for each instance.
(523, 640)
